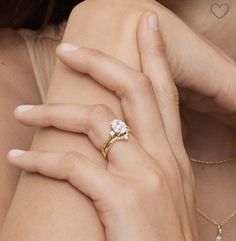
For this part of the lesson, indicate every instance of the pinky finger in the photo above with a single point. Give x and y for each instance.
(83, 174)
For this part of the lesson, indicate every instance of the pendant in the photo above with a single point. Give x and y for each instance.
(219, 237)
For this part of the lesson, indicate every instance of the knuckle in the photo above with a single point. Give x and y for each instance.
(36, 155)
(91, 58)
(70, 161)
(50, 113)
(94, 53)
(99, 112)
(175, 97)
(158, 48)
(142, 80)
(142, 84)
(155, 180)
(169, 95)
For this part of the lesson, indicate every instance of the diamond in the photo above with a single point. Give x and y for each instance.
(112, 133)
(126, 136)
(219, 238)
(119, 127)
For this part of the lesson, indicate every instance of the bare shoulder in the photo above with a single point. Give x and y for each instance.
(13, 51)
(12, 45)
(15, 66)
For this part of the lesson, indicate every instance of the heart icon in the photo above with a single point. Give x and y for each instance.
(220, 10)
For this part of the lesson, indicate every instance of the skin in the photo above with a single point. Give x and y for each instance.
(69, 95)
(142, 154)
(207, 131)
(20, 85)
(113, 75)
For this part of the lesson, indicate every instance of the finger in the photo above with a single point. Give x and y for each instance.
(155, 65)
(92, 120)
(91, 179)
(134, 88)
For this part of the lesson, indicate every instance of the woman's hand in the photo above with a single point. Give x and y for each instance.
(205, 75)
(146, 190)
(204, 72)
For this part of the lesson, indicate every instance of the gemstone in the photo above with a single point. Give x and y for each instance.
(112, 133)
(126, 136)
(119, 127)
(219, 238)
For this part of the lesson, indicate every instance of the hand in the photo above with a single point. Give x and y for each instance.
(205, 75)
(146, 190)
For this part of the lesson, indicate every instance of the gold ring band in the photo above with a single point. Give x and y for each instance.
(119, 132)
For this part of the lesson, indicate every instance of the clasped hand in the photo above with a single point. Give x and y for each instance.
(146, 190)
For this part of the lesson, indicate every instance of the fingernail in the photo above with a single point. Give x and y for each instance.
(67, 47)
(15, 153)
(153, 22)
(24, 108)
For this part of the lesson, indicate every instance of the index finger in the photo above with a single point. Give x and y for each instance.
(155, 65)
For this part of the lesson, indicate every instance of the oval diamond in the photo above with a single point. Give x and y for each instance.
(119, 127)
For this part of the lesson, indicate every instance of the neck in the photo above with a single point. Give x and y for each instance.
(203, 130)
(199, 15)
(206, 138)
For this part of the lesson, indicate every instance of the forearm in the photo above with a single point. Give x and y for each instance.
(53, 210)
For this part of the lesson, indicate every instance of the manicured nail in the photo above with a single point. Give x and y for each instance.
(15, 153)
(153, 21)
(67, 47)
(24, 108)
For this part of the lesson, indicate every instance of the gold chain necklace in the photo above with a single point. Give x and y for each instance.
(203, 214)
(213, 162)
(218, 225)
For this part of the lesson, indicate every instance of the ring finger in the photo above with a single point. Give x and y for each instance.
(92, 120)
(132, 87)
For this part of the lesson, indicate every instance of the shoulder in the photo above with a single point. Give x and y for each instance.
(10, 40)
(16, 72)
(13, 49)
(8, 36)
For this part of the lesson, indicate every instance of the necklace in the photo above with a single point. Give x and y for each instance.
(212, 162)
(219, 225)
